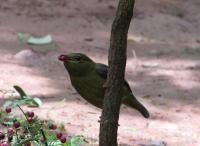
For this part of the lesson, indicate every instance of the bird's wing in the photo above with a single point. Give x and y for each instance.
(102, 70)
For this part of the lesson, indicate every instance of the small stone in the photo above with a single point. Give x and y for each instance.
(111, 7)
(27, 56)
(155, 143)
(158, 143)
(151, 65)
(89, 39)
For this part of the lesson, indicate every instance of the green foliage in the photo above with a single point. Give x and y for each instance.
(40, 40)
(20, 91)
(5, 118)
(28, 100)
(36, 131)
(75, 141)
(31, 129)
(42, 43)
(27, 38)
(25, 99)
(23, 37)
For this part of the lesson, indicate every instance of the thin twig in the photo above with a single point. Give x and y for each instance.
(17, 135)
(23, 112)
(44, 137)
(26, 118)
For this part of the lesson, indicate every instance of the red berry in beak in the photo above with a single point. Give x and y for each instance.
(63, 58)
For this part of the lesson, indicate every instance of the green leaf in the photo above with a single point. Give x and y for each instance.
(77, 141)
(7, 103)
(35, 102)
(35, 143)
(14, 141)
(51, 139)
(19, 102)
(8, 123)
(55, 143)
(20, 91)
(67, 143)
(38, 101)
(28, 100)
(23, 37)
(40, 40)
(29, 39)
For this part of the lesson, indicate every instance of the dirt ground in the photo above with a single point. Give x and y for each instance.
(162, 68)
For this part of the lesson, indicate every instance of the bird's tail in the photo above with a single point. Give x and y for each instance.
(134, 103)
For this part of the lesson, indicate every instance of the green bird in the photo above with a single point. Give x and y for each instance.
(88, 78)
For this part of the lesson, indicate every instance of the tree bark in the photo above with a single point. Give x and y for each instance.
(115, 81)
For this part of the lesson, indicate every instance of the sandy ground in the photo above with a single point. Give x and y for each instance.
(164, 72)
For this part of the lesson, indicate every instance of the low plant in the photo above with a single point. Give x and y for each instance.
(27, 129)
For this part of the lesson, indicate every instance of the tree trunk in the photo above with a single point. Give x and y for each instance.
(115, 81)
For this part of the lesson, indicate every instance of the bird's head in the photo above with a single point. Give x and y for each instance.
(77, 64)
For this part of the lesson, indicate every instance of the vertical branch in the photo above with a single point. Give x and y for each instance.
(115, 81)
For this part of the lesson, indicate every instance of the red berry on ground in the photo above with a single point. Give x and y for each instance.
(16, 124)
(30, 119)
(8, 109)
(30, 114)
(59, 135)
(63, 139)
(3, 144)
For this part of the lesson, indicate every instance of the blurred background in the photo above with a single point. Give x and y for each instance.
(162, 66)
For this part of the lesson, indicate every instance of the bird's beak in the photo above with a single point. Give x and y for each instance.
(64, 58)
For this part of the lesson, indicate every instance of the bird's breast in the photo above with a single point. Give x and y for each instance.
(90, 87)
